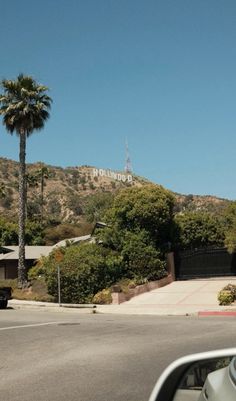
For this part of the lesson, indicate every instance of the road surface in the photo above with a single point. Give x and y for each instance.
(57, 356)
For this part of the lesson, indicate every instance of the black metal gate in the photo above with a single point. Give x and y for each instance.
(204, 263)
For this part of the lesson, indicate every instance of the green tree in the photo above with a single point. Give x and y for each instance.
(24, 106)
(198, 230)
(148, 208)
(34, 233)
(8, 232)
(140, 226)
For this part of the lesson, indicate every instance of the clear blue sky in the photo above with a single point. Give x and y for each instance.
(161, 73)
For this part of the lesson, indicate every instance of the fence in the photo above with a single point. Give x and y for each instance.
(199, 263)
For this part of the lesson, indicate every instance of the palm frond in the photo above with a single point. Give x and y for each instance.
(24, 104)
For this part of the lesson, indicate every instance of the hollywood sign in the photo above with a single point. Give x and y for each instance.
(100, 172)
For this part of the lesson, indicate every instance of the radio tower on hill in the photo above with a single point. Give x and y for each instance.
(128, 167)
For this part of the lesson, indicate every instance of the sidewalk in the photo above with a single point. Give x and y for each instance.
(124, 309)
(51, 306)
(180, 298)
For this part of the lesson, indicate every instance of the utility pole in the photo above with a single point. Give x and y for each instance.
(59, 285)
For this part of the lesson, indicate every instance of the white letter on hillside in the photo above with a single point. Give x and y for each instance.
(130, 178)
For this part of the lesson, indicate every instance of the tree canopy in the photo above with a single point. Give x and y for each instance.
(198, 230)
(148, 208)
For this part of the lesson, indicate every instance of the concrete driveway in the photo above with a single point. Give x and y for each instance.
(178, 298)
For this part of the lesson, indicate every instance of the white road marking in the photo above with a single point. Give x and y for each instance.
(28, 325)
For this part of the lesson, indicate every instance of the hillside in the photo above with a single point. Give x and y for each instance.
(207, 203)
(67, 191)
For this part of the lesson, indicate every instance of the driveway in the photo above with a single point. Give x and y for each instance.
(178, 298)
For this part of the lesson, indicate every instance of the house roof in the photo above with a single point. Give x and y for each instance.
(31, 252)
(74, 241)
(35, 252)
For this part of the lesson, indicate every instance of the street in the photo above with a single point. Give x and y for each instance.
(55, 356)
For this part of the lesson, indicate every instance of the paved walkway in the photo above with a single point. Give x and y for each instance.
(177, 298)
(188, 297)
(50, 306)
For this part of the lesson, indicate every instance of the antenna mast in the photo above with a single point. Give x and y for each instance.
(128, 167)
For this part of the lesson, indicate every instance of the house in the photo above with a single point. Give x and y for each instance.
(9, 255)
(9, 259)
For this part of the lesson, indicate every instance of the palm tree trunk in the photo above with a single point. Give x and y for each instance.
(42, 188)
(22, 275)
(26, 198)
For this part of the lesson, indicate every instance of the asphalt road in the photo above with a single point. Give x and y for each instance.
(49, 356)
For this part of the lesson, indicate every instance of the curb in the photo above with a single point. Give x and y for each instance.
(217, 313)
(52, 305)
(79, 306)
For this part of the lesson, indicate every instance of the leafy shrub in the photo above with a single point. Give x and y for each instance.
(225, 297)
(85, 270)
(124, 285)
(37, 271)
(232, 289)
(143, 260)
(103, 297)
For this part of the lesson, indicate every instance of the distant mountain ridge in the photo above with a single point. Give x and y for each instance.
(66, 190)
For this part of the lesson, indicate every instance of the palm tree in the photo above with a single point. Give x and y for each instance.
(24, 106)
(43, 174)
(32, 180)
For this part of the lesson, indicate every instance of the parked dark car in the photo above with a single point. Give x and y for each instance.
(5, 295)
